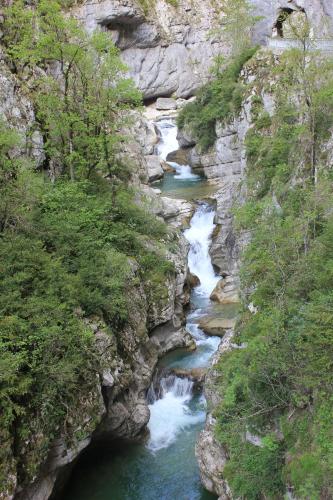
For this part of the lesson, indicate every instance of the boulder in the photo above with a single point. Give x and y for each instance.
(185, 138)
(166, 103)
(216, 326)
(197, 374)
(180, 156)
(225, 292)
(192, 280)
(168, 168)
(154, 168)
(175, 210)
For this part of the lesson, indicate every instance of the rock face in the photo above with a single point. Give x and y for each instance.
(319, 12)
(225, 292)
(225, 164)
(169, 51)
(210, 454)
(117, 407)
(216, 326)
(154, 167)
(17, 110)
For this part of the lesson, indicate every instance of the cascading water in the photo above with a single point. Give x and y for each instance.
(199, 236)
(168, 138)
(168, 144)
(170, 413)
(165, 467)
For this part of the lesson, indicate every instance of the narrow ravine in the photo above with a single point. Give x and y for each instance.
(165, 466)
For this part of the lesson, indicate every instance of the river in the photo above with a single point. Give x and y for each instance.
(165, 467)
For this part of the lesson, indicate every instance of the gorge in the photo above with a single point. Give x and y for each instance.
(166, 249)
(166, 464)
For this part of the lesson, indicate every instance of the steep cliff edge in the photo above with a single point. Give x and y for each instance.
(107, 397)
(263, 390)
(169, 55)
(169, 49)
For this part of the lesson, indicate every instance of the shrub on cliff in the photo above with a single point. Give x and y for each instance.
(70, 248)
(217, 101)
(280, 385)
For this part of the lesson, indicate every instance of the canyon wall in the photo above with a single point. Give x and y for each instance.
(169, 52)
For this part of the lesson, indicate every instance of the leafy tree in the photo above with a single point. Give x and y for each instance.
(238, 22)
(82, 94)
(72, 249)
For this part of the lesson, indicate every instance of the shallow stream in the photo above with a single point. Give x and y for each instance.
(165, 467)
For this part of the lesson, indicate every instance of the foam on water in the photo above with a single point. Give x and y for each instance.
(168, 142)
(171, 414)
(199, 236)
(183, 172)
(171, 403)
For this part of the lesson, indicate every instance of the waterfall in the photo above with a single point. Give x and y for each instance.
(199, 236)
(169, 143)
(173, 406)
(170, 413)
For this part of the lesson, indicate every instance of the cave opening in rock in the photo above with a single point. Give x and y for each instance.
(283, 15)
(284, 29)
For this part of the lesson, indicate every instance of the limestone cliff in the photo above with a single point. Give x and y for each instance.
(225, 164)
(169, 50)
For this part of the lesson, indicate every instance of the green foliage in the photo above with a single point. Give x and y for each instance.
(255, 471)
(279, 387)
(237, 24)
(72, 249)
(75, 258)
(80, 104)
(218, 100)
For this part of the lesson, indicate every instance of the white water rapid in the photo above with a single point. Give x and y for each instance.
(199, 236)
(173, 407)
(170, 413)
(166, 468)
(168, 144)
(168, 141)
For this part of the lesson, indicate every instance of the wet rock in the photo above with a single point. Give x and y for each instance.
(180, 156)
(176, 210)
(211, 458)
(211, 455)
(154, 168)
(225, 292)
(185, 138)
(167, 338)
(193, 280)
(168, 168)
(166, 104)
(216, 326)
(197, 375)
